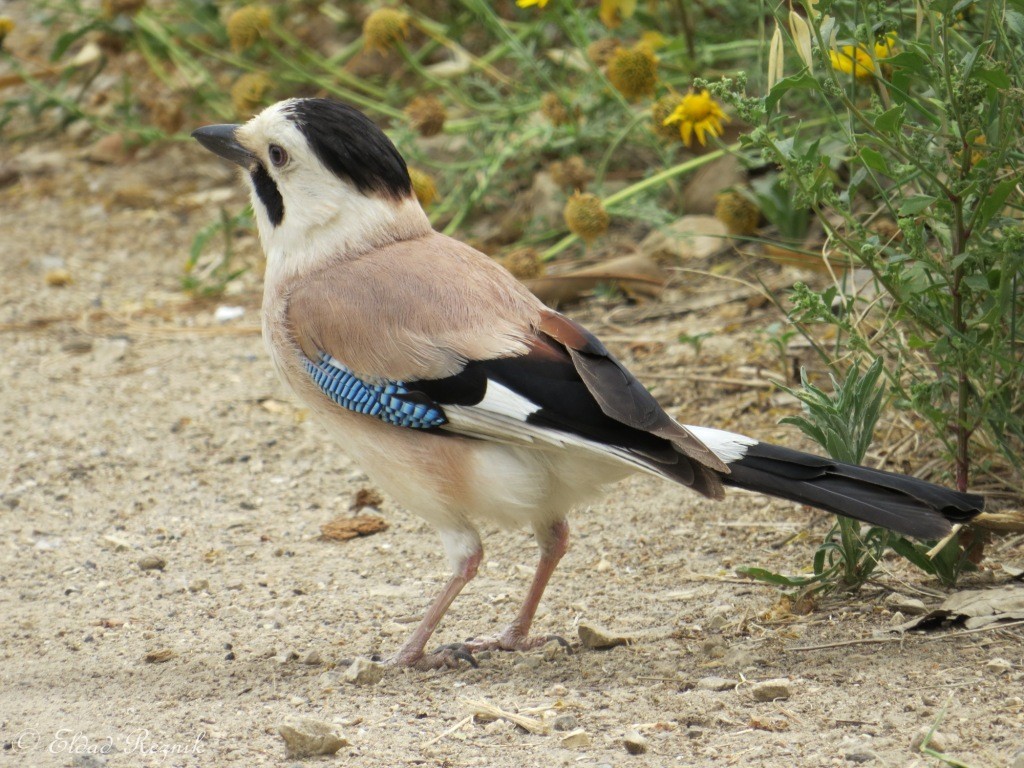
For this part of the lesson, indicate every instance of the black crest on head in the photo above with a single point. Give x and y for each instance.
(348, 143)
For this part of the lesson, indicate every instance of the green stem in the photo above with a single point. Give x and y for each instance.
(641, 186)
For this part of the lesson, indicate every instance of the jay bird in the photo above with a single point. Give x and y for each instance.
(461, 394)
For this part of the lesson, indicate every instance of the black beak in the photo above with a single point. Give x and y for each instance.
(220, 139)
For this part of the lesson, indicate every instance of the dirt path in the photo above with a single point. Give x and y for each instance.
(137, 430)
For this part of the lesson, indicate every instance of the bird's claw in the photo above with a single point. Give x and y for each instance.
(447, 656)
(513, 642)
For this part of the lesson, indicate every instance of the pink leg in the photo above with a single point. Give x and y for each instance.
(553, 543)
(411, 654)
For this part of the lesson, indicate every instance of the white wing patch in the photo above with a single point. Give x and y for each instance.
(728, 446)
(503, 401)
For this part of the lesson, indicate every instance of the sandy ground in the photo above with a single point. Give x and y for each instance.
(134, 427)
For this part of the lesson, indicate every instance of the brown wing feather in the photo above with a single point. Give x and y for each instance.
(622, 397)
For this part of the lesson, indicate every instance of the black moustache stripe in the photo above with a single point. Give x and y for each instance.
(268, 193)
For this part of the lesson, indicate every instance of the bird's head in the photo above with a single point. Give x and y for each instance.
(325, 182)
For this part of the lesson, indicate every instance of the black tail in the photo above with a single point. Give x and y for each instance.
(903, 504)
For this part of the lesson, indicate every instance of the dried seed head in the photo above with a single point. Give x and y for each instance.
(600, 51)
(738, 212)
(423, 185)
(426, 115)
(633, 71)
(554, 109)
(247, 25)
(660, 111)
(248, 93)
(385, 27)
(585, 216)
(523, 263)
(113, 8)
(571, 173)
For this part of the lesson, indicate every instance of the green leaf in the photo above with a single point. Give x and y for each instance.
(993, 202)
(773, 578)
(805, 81)
(909, 61)
(992, 76)
(874, 160)
(914, 204)
(891, 120)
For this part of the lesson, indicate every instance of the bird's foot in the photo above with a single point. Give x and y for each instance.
(444, 657)
(513, 640)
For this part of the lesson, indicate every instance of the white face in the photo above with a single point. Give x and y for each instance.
(324, 216)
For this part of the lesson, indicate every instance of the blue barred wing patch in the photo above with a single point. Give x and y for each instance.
(390, 401)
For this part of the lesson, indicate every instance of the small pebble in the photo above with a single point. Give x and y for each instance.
(308, 738)
(938, 741)
(116, 543)
(634, 743)
(909, 606)
(565, 723)
(716, 684)
(860, 756)
(1018, 760)
(58, 278)
(999, 666)
(524, 662)
(159, 656)
(364, 672)
(225, 314)
(199, 585)
(770, 690)
(312, 658)
(575, 739)
(598, 638)
(152, 563)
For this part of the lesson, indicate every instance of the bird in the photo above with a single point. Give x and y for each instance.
(461, 394)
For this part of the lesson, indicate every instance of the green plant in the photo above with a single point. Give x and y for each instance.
(210, 277)
(843, 424)
(924, 119)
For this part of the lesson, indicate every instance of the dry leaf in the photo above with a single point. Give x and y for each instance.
(635, 274)
(366, 497)
(974, 608)
(344, 528)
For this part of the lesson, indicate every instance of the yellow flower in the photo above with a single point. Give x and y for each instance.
(247, 25)
(633, 71)
(698, 114)
(6, 27)
(858, 61)
(853, 61)
(613, 12)
(886, 46)
(528, 3)
(385, 27)
(653, 40)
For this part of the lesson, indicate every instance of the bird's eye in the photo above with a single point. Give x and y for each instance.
(278, 156)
